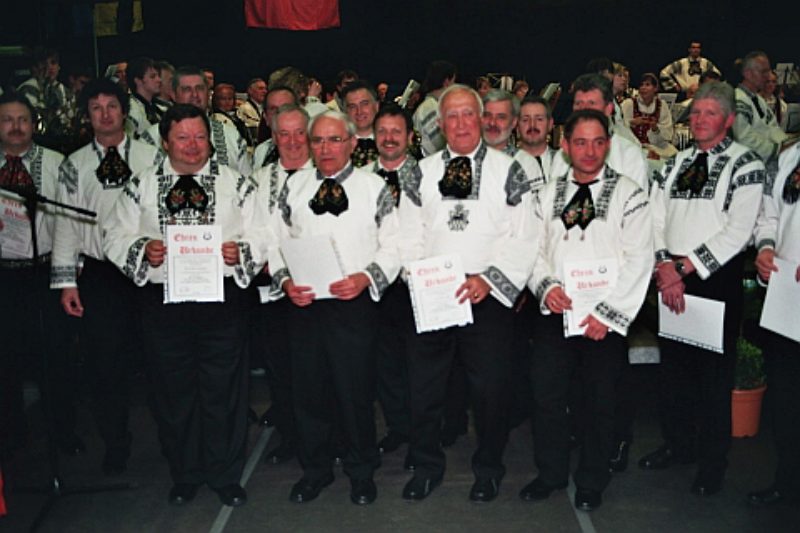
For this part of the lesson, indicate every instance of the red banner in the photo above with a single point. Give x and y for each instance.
(292, 14)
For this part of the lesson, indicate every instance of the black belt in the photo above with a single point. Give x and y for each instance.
(14, 264)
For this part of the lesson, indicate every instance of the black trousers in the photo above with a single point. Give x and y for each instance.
(108, 330)
(26, 298)
(695, 395)
(274, 344)
(332, 344)
(782, 359)
(485, 349)
(596, 366)
(198, 373)
(394, 317)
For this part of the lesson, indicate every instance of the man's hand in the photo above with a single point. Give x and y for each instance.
(349, 287)
(765, 263)
(71, 301)
(475, 289)
(155, 251)
(230, 253)
(300, 295)
(672, 297)
(557, 301)
(666, 275)
(595, 329)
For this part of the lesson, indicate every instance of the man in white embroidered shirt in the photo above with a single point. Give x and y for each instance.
(473, 201)
(595, 219)
(704, 203)
(101, 296)
(332, 340)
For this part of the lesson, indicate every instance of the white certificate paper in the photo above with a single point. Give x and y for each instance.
(15, 230)
(587, 283)
(701, 324)
(779, 313)
(194, 264)
(313, 262)
(432, 284)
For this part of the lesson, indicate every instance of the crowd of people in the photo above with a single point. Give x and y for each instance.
(484, 173)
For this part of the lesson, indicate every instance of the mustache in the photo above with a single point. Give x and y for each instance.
(390, 144)
(533, 130)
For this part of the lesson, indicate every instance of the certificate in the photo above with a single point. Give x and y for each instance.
(15, 230)
(779, 313)
(586, 283)
(701, 324)
(432, 284)
(313, 262)
(194, 264)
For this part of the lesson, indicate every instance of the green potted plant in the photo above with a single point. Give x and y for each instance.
(749, 387)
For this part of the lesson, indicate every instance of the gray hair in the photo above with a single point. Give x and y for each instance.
(501, 95)
(719, 91)
(749, 60)
(336, 115)
(287, 108)
(460, 87)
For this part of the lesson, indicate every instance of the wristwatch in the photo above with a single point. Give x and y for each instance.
(680, 268)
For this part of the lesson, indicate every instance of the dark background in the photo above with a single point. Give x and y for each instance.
(538, 40)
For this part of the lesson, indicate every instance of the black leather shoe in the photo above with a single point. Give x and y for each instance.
(391, 442)
(587, 499)
(182, 493)
(484, 490)
(707, 484)
(662, 458)
(766, 497)
(71, 445)
(619, 462)
(408, 464)
(233, 495)
(363, 491)
(281, 454)
(420, 487)
(538, 490)
(306, 490)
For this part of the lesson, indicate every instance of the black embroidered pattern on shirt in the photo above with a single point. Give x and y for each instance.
(501, 282)
(278, 277)
(612, 315)
(709, 189)
(218, 141)
(135, 263)
(385, 204)
(246, 268)
(662, 255)
(459, 218)
(378, 277)
(543, 286)
(707, 258)
(410, 177)
(754, 177)
(68, 176)
(63, 274)
(517, 184)
(283, 205)
(610, 180)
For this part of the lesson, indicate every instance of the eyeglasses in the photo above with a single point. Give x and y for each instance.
(334, 140)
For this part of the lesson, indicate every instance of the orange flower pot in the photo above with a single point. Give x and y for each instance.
(746, 411)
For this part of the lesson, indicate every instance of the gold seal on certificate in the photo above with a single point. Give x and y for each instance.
(432, 284)
(194, 264)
